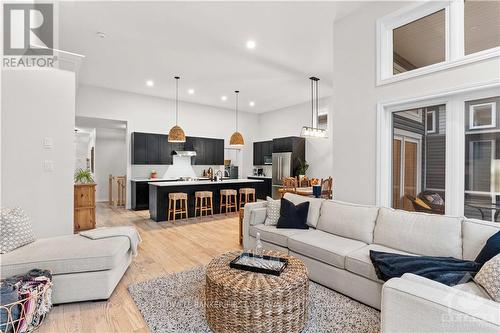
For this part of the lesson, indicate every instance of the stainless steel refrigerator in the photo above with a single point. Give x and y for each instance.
(282, 167)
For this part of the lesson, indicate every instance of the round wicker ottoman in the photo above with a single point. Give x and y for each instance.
(242, 301)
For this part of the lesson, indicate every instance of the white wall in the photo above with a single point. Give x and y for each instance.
(288, 122)
(355, 97)
(157, 115)
(38, 104)
(110, 158)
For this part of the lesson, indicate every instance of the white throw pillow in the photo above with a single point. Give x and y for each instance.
(15, 229)
(489, 277)
(273, 211)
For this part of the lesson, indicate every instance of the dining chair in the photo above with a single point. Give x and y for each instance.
(326, 188)
(289, 185)
(304, 182)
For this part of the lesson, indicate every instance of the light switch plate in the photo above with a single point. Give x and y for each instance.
(48, 143)
(48, 166)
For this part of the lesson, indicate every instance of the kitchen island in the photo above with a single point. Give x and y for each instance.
(158, 193)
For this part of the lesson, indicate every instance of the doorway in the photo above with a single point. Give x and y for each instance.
(407, 150)
(104, 152)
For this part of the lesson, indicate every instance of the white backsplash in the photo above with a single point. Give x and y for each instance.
(181, 167)
(268, 170)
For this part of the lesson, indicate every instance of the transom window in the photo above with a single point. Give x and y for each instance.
(481, 25)
(431, 36)
(419, 43)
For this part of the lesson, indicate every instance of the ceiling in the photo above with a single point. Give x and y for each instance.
(205, 44)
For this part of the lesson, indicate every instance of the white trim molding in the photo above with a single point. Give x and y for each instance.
(454, 40)
(455, 139)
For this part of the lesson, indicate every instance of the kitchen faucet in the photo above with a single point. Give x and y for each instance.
(218, 175)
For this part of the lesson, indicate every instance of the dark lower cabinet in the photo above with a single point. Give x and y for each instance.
(263, 189)
(139, 195)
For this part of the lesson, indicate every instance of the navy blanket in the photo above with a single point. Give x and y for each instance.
(447, 270)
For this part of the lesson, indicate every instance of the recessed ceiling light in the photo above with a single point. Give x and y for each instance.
(101, 34)
(150, 83)
(251, 44)
(224, 98)
(190, 91)
(252, 103)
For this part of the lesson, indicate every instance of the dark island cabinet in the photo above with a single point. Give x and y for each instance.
(260, 150)
(263, 189)
(148, 148)
(140, 195)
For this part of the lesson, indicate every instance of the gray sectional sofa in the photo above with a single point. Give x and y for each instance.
(336, 252)
(82, 269)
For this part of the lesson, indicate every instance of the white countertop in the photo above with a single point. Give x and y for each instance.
(264, 177)
(205, 182)
(153, 179)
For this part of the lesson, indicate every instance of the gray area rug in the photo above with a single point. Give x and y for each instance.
(174, 303)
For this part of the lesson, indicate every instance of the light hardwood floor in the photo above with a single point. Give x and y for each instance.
(167, 247)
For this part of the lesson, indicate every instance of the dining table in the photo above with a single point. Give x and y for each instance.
(304, 191)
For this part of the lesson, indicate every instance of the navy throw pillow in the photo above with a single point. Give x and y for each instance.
(293, 217)
(490, 249)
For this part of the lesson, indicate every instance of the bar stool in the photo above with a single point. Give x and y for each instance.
(245, 193)
(203, 203)
(228, 200)
(172, 205)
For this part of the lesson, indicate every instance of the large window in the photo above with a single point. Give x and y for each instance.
(482, 160)
(419, 159)
(455, 169)
(434, 35)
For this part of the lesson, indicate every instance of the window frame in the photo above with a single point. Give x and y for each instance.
(493, 116)
(454, 100)
(433, 131)
(454, 40)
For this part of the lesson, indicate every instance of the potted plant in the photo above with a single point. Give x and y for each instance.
(84, 176)
(302, 169)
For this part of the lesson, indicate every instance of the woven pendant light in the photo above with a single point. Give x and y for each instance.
(236, 138)
(176, 133)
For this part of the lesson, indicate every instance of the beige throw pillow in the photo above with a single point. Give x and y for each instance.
(273, 211)
(15, 229)
(489, 277)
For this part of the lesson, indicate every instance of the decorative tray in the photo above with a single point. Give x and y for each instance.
(259, 264)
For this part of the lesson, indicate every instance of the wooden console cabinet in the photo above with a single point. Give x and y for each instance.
(84, 202)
